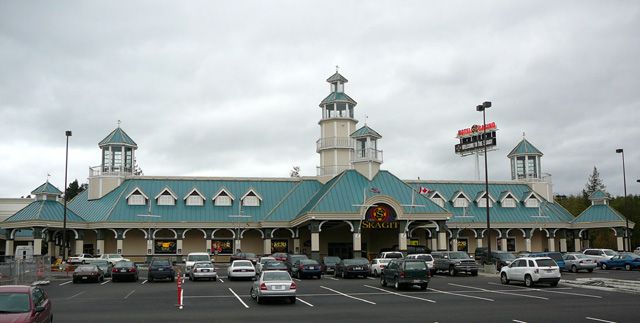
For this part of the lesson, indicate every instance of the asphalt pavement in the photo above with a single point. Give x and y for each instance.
(448, 299)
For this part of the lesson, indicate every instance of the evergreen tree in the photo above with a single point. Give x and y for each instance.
(594, 183)
(73, 190)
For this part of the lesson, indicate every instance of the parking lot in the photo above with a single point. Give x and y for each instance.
(448, 299)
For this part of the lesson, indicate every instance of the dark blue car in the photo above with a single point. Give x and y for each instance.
(556, 256)
(628, 261)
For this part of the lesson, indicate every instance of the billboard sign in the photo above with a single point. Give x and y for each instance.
(476, 138)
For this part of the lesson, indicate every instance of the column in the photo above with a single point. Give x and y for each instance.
(237, 244)
(527, 240)
(620, 241)
(563, 244)
(266, 242)
(37, 241)
(356, 238)
(99, 242)
(207, 240)
(442, 236)
(577, 245)
(8, 246)
(296, 244)
(552, 244)
(179, 233)
(51, 247)
(454, 239)
(434, 239)
(479, 242)
(402, 235)
(314, 227)
(79, 245)
(119, 241)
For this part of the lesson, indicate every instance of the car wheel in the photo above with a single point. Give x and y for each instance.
(554, 284)
(604, 266)
(383, 281)
(253, 293)
(424, 286)
(190, 278)
(397, 285)
(173, 278)
(474, 273)
(452, 271)
(292, 299)
(627, 267)
(258, 299)
(343, 275)
(101, 278)
(574, 269)
(528, 281)
(590, 270)
(503, 279)
(150, 279)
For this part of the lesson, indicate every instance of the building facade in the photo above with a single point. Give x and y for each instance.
(352, 208)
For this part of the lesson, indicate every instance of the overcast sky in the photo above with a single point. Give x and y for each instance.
(232, 88)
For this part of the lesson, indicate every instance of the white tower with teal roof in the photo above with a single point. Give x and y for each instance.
(526, 166)
(335, 146)
(367, 157)
(117, 162)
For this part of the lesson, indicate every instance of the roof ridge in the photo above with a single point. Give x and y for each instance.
(335, 181)
(281, 201)
(116, 200)
(40, 209)
(412, 189)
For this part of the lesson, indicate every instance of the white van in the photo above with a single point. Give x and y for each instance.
(193, 257)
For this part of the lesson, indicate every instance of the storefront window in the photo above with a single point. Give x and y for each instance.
(279, 245)
(222, 247)
(165, 247)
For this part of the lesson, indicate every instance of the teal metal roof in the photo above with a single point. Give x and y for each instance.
(524, 148)
(504, 194)
(599, 213)
(599, 195)
(118, 137)
(279, 200)
(46, 188)
(337, 77)
(547, 213)
(44, 210)
(337, 97)
(345, 193)
(365, 131)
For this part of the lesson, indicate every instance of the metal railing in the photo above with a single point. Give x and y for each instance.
(335, 142)
(332, 170)
(106, 171)
(24, 271)
(368, 154)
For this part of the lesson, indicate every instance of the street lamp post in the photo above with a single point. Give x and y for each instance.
(149, 216)
(64, 221)
(483, 107)
(627, 246)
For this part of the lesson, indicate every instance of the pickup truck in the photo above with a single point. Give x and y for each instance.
(405, 272)
(454, 262)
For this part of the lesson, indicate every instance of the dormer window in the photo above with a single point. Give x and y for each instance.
(508, 203)
(136, 197)
(460, 202)
(251, 199)
(438, 199)
(532, 202)
(483, 202)
(194, 198)
(166, 197)
(223, 198)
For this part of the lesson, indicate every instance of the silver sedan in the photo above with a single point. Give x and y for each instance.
(274, 284)
(204, 270)
(578, 261)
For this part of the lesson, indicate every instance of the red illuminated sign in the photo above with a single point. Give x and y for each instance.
(475, 129)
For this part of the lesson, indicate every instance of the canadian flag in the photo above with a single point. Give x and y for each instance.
(424, 190)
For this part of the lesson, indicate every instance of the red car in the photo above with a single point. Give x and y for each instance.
(24, 304)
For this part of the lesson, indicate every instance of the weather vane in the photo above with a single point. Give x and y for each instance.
(337, 68)
(119, 122)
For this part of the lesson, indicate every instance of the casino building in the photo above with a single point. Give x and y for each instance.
(352, 207)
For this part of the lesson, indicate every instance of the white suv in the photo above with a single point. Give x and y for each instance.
(427, 258)
(531, 270)
(113, 258)
(391, 254)
(193, 257)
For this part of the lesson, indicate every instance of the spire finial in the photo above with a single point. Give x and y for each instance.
(365, 119)
(337, 68)
(523, 135)
(48, 175)
(119, 122)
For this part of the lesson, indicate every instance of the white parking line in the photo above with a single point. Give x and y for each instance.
(220, 279)
(403, 295)
(518, 321)
(238, 297)
(462, 295)
(345, 295)
(371, 278)
(65, 283)
(75, 295)
(105, 282)
(304, 302)
(129, 294)
(499, 292)
(551, 291)
(144, 282)
(599, 320)
(333, 278)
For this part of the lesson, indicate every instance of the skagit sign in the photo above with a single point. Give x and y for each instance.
(475, 129)
(381, 216)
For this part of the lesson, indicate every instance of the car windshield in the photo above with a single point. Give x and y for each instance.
(581, 256)
(265, 259)
(546, 263)
(393, 255)
(424, 257)
(555, 255)
(124, 264)
(275, 275)
(458, 255)
(358, 261)
(161, 263)
(198, 258)
(242, 264)
(86, 268)
(275, 264)
(331, 260)
(308, 262)
(14, 303)
(414, 265)
(610, 252)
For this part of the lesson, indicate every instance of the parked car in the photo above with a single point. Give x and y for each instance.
(273, 284)
(291, 259)
(556, 256)
(124, 270)
(577, 261)
(203, 270)
(498, 257)
(104, 265)
(391, 254)
(405, 272)
(280, 256)
(427, 258)
(599, 254)
(378, 264)
(353, 267)
(306, 268)
(454, 262)
(274, 265)
(241, 269)
(329, 264)
(244, 256)
(261, 262)
(161, 269)
(25, 304)
(531, 270)
(192, 257)
(113, 258)
(84, 273)
(79, 259)
(625, 260)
